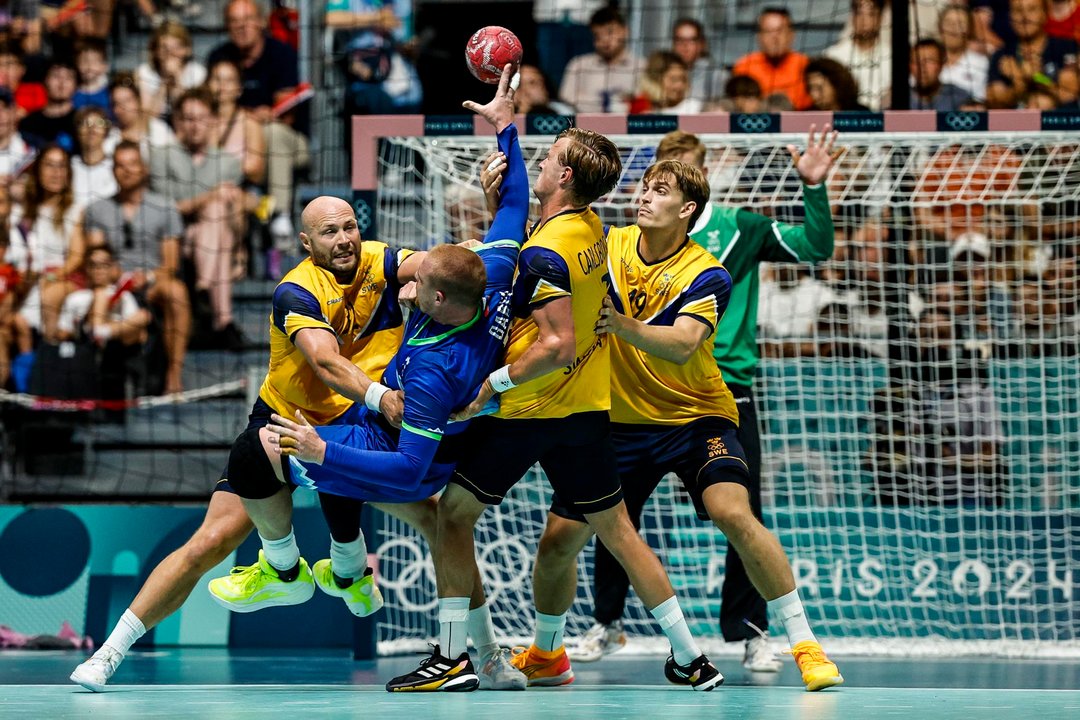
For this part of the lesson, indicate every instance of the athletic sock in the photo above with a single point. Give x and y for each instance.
(482, 631)
(790, 610)
(453, 626)
(129, 628)
(283, 555)
(549, 631)
(670, 617)
(348, 560)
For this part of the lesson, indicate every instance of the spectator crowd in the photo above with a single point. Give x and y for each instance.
(133, 198)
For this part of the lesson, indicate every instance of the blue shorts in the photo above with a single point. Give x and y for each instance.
(260, 417)
(703, 452)
(368, 432)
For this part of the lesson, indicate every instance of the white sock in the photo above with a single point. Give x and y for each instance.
(282, 554)
(790, 610)
(672, 622)
(128, 629)
(549, 631)
(482, 631)
(349, 560)
(453, 626)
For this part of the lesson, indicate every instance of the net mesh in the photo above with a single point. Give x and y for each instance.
(918, 395)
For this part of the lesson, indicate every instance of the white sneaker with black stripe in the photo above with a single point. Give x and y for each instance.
(438, 674)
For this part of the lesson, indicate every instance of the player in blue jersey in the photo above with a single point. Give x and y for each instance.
(451, 344)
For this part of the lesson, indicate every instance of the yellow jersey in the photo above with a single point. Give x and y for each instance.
(364, 316)
(690, 283)
(564, 257)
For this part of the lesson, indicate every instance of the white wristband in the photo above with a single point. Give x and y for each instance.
(102, 333)
(373, 396)
(500, 379)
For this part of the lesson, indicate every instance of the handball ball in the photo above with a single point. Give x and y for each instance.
(489, 49)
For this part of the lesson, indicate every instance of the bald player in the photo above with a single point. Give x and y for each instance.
(335, 324)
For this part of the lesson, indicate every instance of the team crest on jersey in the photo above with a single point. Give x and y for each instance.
(712, 241)
(665, 285)
(716, 447)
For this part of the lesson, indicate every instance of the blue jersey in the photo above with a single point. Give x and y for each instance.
(440, 369)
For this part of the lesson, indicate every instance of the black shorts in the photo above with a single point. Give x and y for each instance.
(702, 453)
(575, 453)
(260, 417)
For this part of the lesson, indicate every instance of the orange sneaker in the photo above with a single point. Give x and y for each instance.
(547, 669)
(818, 672)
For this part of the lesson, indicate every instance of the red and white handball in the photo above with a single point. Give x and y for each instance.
(489, 50)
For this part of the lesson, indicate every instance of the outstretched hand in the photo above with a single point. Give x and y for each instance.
(296, 439)
(500, 111)
(813, 165)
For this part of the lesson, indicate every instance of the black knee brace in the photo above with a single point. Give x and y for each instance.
(250, 473)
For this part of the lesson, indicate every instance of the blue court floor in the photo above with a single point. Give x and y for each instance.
(211, 684)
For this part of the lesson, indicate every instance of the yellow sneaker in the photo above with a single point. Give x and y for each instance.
(254, 587)
(362, 597)
(547, 669)
(818, 672)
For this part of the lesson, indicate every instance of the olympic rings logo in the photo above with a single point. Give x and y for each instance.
(363, 214)
(754, 123)
(962, 120)
(407, 569)
(550, 124)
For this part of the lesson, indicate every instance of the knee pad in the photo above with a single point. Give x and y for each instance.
(250, 473)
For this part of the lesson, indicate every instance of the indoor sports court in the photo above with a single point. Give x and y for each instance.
(917, 393)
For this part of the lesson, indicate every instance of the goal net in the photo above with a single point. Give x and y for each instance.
(919, 396)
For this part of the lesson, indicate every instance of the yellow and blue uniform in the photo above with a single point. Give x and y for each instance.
(364, 317)
(440, 368)
(559, 419)
(668, 417)
(564, 257)
(646, 389)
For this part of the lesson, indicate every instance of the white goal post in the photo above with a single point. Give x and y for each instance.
(919, 393)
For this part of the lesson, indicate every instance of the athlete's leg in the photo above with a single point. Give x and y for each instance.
(222, 531)
(728, 506)
(224, 528)
(740, 602)
(422, 516)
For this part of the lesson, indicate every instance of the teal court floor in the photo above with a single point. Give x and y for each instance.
(211, 684)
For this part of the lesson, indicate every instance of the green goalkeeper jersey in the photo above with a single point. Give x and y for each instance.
(741, 239)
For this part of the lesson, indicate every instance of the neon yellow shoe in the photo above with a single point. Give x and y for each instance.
(254, 587)
(546, 669)
(818, 672)
(362, 597)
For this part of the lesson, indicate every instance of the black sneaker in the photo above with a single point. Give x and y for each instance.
(438, 674)
(700, 674)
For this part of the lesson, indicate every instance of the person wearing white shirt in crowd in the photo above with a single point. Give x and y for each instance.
(603, 81)
(964, 68)
(562, 30)
(102, 311)
(169, 71)
(867, 53)
(92, 169)
(132, 123)
(13, 149)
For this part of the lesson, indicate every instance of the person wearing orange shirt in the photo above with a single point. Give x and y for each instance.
(776, 67)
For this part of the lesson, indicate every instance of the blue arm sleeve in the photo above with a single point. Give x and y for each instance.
(499, 256)
(427, 413)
